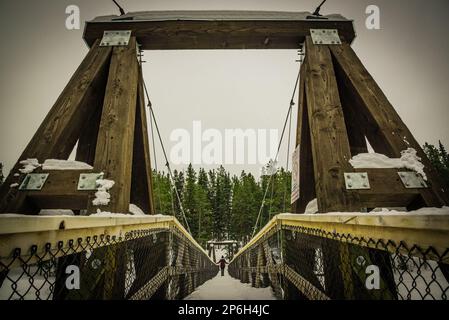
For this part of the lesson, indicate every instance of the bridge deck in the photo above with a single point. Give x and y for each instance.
(228, 288)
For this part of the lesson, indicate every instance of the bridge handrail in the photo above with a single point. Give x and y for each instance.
(426, 230)
(18, 231)
(350, 256)
(118, 257)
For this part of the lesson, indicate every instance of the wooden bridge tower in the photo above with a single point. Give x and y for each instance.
(102, 111)
(340, 108)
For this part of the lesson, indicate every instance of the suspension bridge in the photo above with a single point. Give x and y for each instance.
(348, 254)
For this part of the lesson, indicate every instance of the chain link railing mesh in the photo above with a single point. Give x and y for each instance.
(143, 265)
(304, 263)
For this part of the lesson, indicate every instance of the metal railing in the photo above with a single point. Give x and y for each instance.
(80, 258)
(345, 257)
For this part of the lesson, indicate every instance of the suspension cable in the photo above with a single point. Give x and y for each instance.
(167, 164)
(155, 157)
(288, 158)
(292, 103)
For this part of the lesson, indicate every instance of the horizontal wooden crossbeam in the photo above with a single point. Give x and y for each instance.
(60, 191)
(387, 190)
(217, 30)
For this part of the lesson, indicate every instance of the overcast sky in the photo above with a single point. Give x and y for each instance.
(224, 89)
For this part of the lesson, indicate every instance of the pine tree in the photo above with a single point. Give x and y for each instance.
(440, 160)
(179, 185)
(218, 206)
(205, 222)
(190, 200)
(162, 193)
(246, 202)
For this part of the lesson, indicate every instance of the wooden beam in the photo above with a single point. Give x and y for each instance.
(114, 151)
(179, 34)
(306, 174)
(330, 145)
(142, 182)
(354, 116)
(87, 142)
(63, 125)
(395, 134)
(387, 190)
(355, 124)
(60, 191)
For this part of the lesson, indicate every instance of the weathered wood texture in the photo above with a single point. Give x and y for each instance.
(330, 145)
(114, 151)
(61, 128)
(142, 182)
(60, 191)
(87, 143)
(175, 35)
(306, 174)
(356, 125)
(387, 190)
(390, 131)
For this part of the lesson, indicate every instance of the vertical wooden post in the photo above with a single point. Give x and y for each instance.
(394, 133)
(114, 151)
(61, 128)
(354, 120)
(330, 145)
(306, 175)
(142, 181)
(87, 142)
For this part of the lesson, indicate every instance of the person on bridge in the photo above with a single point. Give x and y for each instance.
(222, 263)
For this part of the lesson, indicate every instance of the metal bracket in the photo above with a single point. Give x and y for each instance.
(357, 181)
(325, 36)
(34, 182)
(88, 181)
(412, 180)
(115, 38)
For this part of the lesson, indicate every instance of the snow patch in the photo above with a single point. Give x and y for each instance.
(135, 210)
(312, 207)
(228, 288)
(29, 165)
(14, 185)
(102, 196)
(444, 211)
(408, 160)
(106, 214)
(53, 164)
(56, 213)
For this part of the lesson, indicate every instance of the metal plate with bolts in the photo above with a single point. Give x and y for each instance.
(88, 181)
(325, 36)
(357, 181)
(115, 38)
(412, 180)
(34, 182)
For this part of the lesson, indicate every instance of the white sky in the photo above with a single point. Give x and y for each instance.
(225, 89)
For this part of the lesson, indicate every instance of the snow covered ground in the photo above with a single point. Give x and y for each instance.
(420, 280)
(228, 288)
(26, 287)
